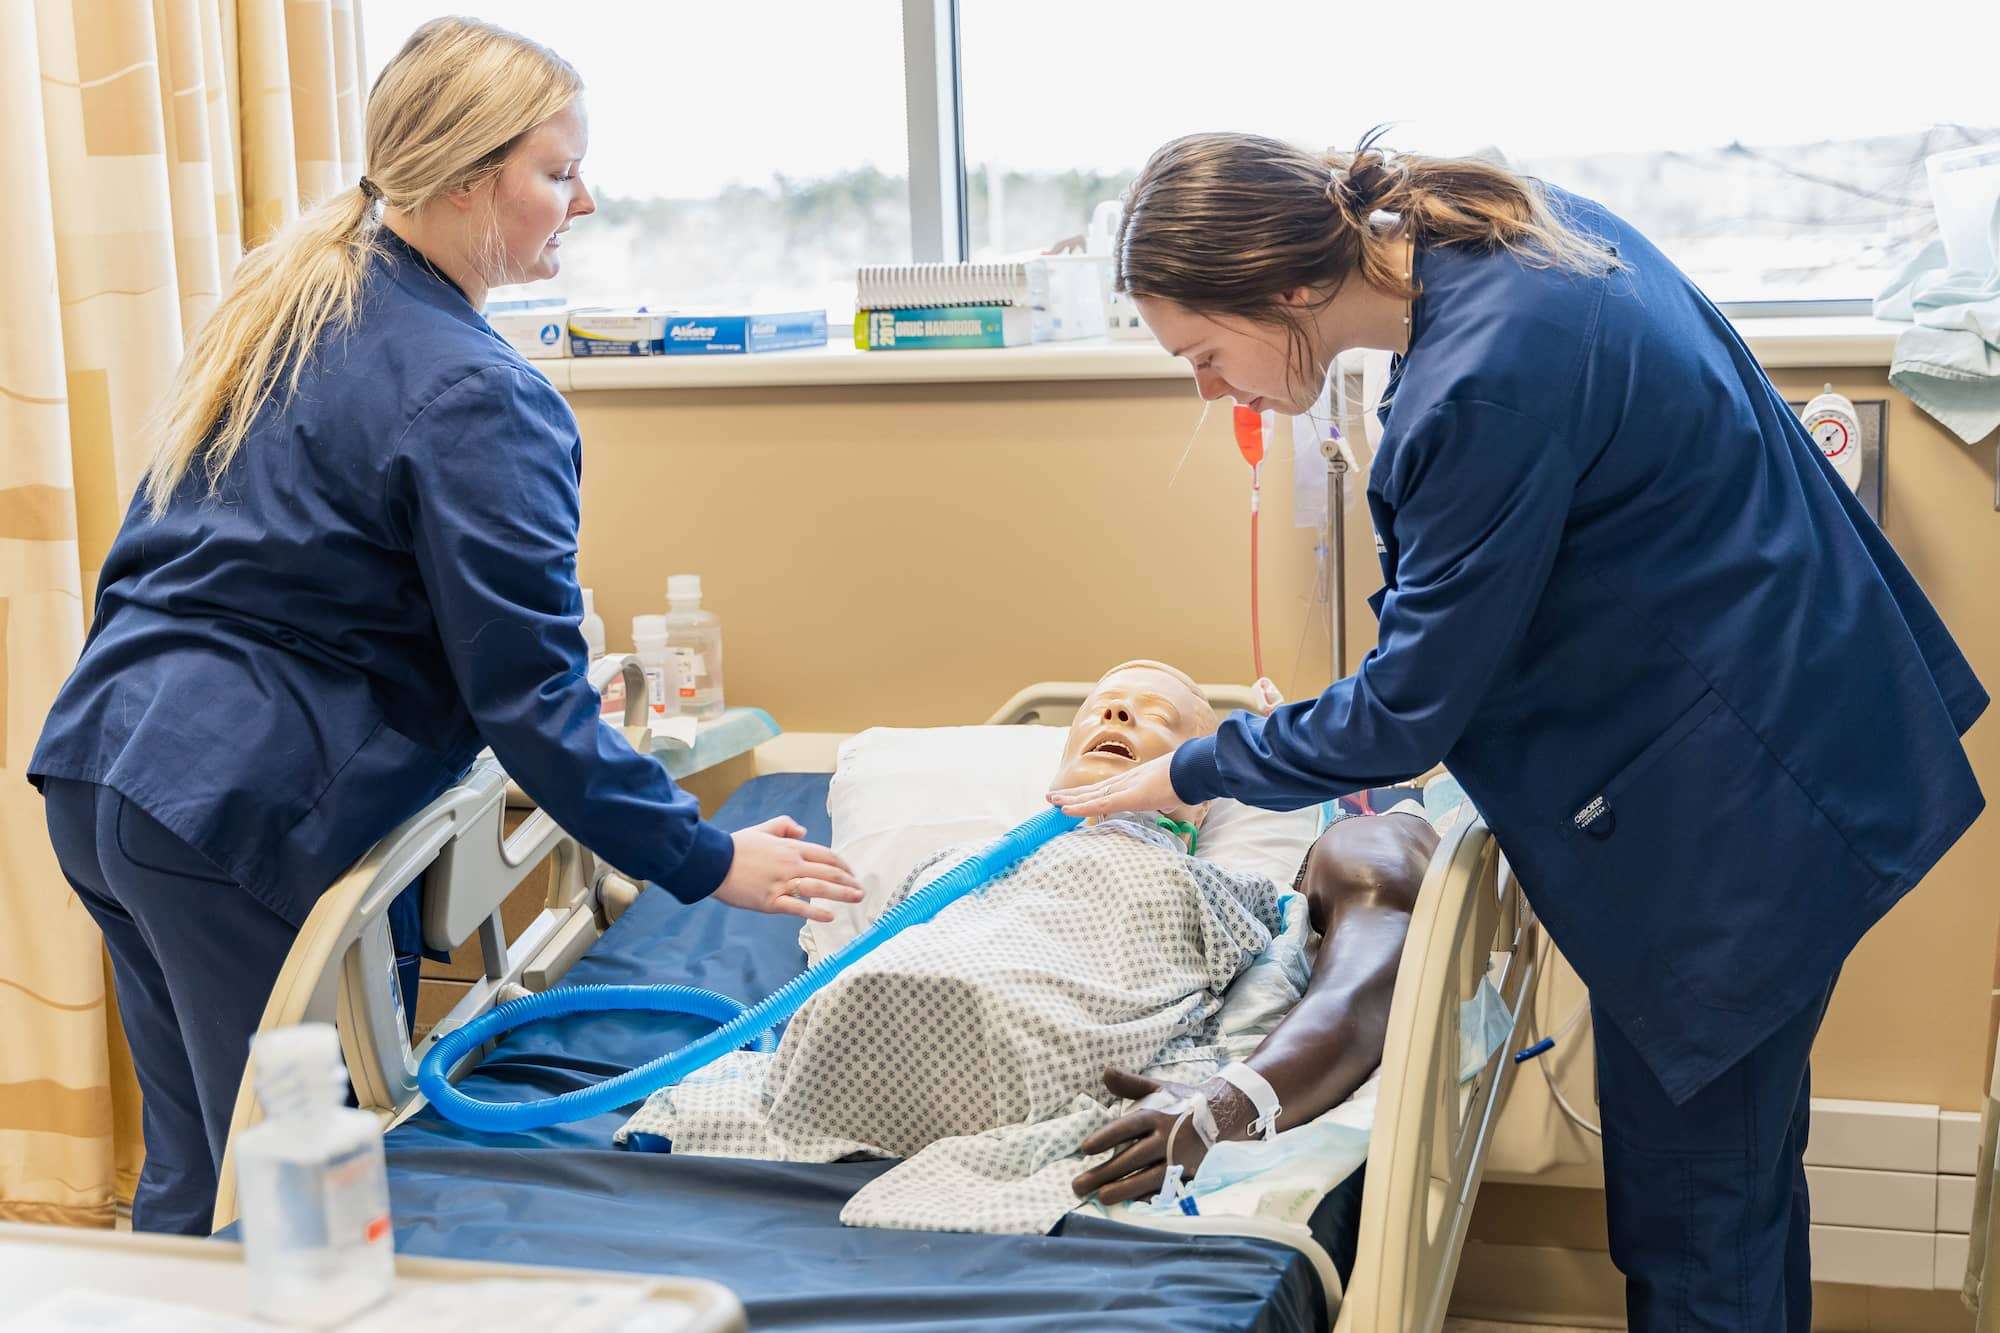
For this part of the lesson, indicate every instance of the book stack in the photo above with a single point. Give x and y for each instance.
(907, 307)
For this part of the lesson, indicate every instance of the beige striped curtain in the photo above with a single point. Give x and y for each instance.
(147, 142)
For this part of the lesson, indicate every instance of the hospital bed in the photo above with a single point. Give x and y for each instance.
(769, 1230)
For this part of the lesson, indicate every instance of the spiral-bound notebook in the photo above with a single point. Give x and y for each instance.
(909, 286)
(1003, 303)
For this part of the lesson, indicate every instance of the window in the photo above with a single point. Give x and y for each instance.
(741, 155)
(758, 153)
(1775, 153)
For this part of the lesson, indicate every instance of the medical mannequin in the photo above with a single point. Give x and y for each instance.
(1361, 881)
(995, 1042)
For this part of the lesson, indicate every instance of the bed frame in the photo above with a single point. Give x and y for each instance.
(1425, 1156)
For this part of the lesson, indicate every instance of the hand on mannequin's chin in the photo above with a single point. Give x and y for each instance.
(1131, 723)
(1088, 768)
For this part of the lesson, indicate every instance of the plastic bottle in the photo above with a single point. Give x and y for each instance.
(649, 641)
(611, 700)
(593, 627)
(611, 697)
(695, 636)
(315, 1195)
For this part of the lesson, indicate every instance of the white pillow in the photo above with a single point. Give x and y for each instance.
(900, 795)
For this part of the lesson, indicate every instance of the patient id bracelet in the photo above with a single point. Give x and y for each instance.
(1261, 1094)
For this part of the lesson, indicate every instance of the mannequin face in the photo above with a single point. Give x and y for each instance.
(1132, 716)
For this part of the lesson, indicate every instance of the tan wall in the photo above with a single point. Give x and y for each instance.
(913, 554)
(1910, 1018)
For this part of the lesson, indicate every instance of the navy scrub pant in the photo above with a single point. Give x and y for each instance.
(1707, 1200)
(193, 958)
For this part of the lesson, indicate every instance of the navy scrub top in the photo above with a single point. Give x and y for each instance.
(385, 584)
(1708, 713)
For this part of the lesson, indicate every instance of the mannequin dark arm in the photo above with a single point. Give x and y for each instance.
(1361, 883)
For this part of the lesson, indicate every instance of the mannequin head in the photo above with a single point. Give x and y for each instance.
(1138, 711)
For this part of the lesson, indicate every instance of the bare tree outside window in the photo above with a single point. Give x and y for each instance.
(1773, 153)
(754, 155)
(746, 156)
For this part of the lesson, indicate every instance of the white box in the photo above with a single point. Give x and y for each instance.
(617, 331)
(1965, 188)
(1874, 1136)
(1067, 295)
(538, 330)
(1891, 1200)
(1949, 1263)
(1867, 1257)
(1954, 1203)
(1958, 1143)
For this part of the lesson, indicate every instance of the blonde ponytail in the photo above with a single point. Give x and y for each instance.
(288, 291)
(442, 118)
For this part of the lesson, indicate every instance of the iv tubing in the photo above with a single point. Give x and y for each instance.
(740, 1026)
(1256, 632)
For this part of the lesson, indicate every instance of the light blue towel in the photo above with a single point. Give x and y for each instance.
(1948, 360)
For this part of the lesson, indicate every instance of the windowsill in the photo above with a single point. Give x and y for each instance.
(1824, 340)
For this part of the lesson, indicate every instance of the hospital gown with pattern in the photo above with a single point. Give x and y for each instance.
(974, 1046)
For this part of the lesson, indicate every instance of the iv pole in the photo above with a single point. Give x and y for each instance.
(1336, 551)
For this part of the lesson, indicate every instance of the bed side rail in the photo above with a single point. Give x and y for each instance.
(1431, 1133)
(342, 967)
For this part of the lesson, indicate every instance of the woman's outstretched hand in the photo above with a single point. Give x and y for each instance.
(1149, 786)
(776, 871)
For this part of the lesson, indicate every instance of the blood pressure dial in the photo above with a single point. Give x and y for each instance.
(1836, 428)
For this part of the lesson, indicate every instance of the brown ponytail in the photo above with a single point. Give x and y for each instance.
(1449, 201)
(1220, 224)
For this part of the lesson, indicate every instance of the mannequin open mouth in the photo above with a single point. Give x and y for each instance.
(1111, 745)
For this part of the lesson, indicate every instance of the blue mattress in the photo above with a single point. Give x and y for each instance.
(771, 1231)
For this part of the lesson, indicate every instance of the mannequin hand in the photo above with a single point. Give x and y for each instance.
(1268, 694)
(776, 872)
(1136, 1170)
(1150, 786)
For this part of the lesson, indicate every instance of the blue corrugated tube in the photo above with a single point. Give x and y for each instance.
(740, 1026)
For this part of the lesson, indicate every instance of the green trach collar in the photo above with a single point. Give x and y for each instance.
(1178, 829)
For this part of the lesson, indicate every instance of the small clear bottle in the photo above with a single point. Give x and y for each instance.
(593, 627)
(314, 1192)
(695, 637)
(649, 645)
(611, 700)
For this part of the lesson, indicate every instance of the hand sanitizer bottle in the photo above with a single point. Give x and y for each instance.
(314, 1191)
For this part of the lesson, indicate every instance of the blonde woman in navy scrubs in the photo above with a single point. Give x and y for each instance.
(1710, 716)
(352, 566)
